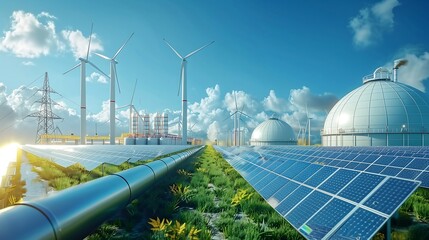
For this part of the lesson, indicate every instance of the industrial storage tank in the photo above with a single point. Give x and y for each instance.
(382, 112)
(273, 132)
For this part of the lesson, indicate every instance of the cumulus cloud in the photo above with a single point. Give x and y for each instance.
(95, 76)
(369, 25)
(275, 104)
(304, 99)
(79, 44)
(30, 36)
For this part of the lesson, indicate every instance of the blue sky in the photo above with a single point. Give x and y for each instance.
(278, 58)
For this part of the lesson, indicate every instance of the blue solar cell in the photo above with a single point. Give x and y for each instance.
(338, 180)
(285, 190)
(375, 169)
(361, 225)
(273, 187)
(371, 158)
(295, 169)
(342, 163)
(351, 165)
(362, 166)
(264, 181)
(259, 174)
(304, 175)
(390, 195)
(419, 163)
(401, 161)
(424, 178)
(290, 201)
(318, 226)
(361, 186)
(385, 160)
(320, 176)
(360, 157)
(334, 162)
(309, 206)
(282, 167)
(409, 174)
(391, 171)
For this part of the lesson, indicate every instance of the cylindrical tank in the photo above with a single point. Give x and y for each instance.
(141, 141)
(153, 141)
(129, 141)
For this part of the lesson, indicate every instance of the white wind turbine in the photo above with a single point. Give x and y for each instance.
(132, 108)
(113, 77)
(184, 93)
(237, 117)
(82, 63)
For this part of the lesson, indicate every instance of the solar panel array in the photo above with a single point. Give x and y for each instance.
(402, 162)
(92, 156)
(323, 200)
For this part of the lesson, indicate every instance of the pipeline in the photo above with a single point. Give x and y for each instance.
(75, 212)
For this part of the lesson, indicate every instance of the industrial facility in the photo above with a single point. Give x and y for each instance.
(382, 112)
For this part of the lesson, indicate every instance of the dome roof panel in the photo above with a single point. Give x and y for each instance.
(273, 131)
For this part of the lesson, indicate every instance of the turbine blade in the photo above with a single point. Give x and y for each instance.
(89, 43)
(93, 65)
(102, 56)
(199, 49)
(117, 80)
(174, 50)
(132, 97)
(120, 49)
(73, 68)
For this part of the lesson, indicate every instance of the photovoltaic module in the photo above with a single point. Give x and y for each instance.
(333, 192)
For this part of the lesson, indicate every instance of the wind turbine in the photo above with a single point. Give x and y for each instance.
(113, 77)
(237, 117)
(82, 63)
(132, 108)
(184, 88)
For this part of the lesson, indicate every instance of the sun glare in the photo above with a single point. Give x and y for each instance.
(7, 155)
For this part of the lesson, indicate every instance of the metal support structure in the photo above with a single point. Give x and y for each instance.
(75, 212)
(45, 115)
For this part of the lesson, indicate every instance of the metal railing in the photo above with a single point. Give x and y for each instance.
(75, 212)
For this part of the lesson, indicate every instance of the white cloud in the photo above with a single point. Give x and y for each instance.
(29, 37)
(28, 63)
(275, 104)
(416, 71)
(79, 44)
(303, 99)
(96, 77)
(46, 14)
(370, 24)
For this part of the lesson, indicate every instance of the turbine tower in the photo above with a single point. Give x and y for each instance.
(113, 78)
(184, 88)
(82, 63)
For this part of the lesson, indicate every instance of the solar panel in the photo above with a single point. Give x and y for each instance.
(92, 156)
(330, 193)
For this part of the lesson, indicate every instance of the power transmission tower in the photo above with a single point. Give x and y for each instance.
(45, 115)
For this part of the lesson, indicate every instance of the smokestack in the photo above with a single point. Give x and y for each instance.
(397, 64)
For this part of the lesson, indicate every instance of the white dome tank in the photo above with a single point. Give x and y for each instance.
(273, 132)
(379, 113)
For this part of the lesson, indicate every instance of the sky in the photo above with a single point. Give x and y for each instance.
(287, 59)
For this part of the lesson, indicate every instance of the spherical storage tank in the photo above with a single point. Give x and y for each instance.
(273, 132)
(382, 112)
